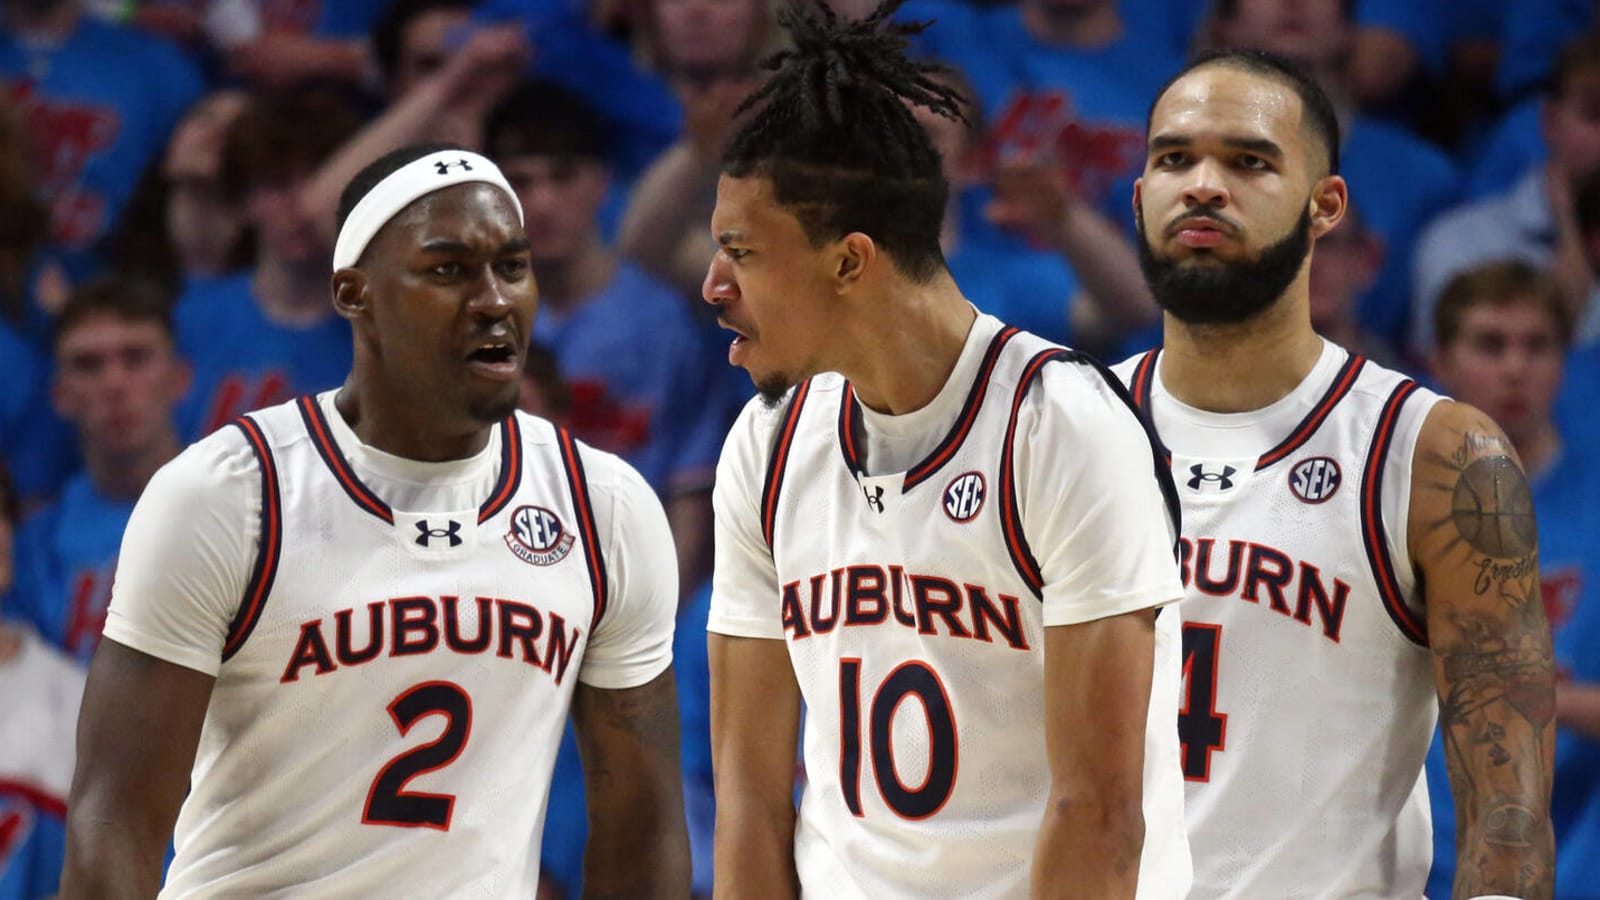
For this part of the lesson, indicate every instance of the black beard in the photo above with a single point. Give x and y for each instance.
(489, 410)
(772, 390)
(1224, 293)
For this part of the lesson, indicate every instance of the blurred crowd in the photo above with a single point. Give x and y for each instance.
(169, 172)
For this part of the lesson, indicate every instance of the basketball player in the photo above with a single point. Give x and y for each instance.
(953, 550)
(1359, 553)
(352, 626)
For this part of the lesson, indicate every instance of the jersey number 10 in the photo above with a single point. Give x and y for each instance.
(910, 679)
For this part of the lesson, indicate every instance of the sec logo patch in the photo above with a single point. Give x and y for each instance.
(963, 497)
(1316, 479)
(537, 537)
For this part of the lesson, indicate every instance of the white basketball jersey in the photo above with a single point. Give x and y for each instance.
(912, 612)
(1309, 696)
(395, 685)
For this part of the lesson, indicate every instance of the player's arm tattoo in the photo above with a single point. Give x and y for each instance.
(1475, 540)
(638, 842)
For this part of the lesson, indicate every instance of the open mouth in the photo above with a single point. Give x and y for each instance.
(493, 353)
(495, 359)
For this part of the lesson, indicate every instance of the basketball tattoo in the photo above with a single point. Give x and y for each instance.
(1493, 508)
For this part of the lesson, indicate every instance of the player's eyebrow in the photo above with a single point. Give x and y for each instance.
(1259, 146)
(518, 244)
(442, 245)
(731, 235)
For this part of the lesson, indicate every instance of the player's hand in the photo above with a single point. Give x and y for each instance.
(1033, 199)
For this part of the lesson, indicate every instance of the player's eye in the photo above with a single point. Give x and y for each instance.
(1171, 159)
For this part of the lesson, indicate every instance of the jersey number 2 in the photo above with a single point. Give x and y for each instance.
(1201, 729)
(913, 678)
(388, 802)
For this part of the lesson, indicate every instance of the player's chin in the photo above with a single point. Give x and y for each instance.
(495, 404)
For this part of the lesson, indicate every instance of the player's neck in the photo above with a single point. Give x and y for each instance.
(1243, 367)
(1088, 29)
(123, 476)
(566, 284)
(291, 294)
(54, 23)
(899, 353)
(396, 424)
(1538, 446)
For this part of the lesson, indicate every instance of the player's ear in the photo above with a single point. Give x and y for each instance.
(856, 253)
(350, 293)
(1329, 200)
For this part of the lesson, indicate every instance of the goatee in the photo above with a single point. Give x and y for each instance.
(1224, 293)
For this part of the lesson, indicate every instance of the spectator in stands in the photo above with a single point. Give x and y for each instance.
(1400, 180)
(99, 102)
(449, 102)
(1075, 76)
(263, 336)
(1344, 267)
(1502, 332)
(118, 379)
(183, 226)
(42, 690)
(271, 43)
(412, 42)
(36, 447)
(1527, 221)
(415, 38)
(707, 51)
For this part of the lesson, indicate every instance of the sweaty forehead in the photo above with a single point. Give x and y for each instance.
(1224, 102)
(461, 213)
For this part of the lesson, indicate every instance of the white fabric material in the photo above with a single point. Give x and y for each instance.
(280, 799)
(1320, 709)
(898, 588)
(402, 187)
(42, 690)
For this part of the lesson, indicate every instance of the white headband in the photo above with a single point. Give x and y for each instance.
(418, 178)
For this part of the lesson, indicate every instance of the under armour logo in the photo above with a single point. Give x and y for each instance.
(430, 533)
(874, 495)
(444, 168)
(1223, 479)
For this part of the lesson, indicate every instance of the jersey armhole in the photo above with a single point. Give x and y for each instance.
(588, 531)
(1385, 502)
(269, 547)
(778, 461)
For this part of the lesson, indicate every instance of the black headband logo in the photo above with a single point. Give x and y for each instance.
(444, 167)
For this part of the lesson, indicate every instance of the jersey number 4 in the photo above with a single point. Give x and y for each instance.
(388, 802)
(1201, 729)
(911, 679)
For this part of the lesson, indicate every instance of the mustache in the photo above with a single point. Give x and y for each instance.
(1205, 213)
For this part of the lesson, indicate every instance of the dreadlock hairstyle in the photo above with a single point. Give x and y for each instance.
(832, 132)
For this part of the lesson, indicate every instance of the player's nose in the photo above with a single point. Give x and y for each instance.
(1205, 186)
(719, 286)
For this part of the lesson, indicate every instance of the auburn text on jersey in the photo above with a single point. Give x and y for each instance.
(411, 626)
